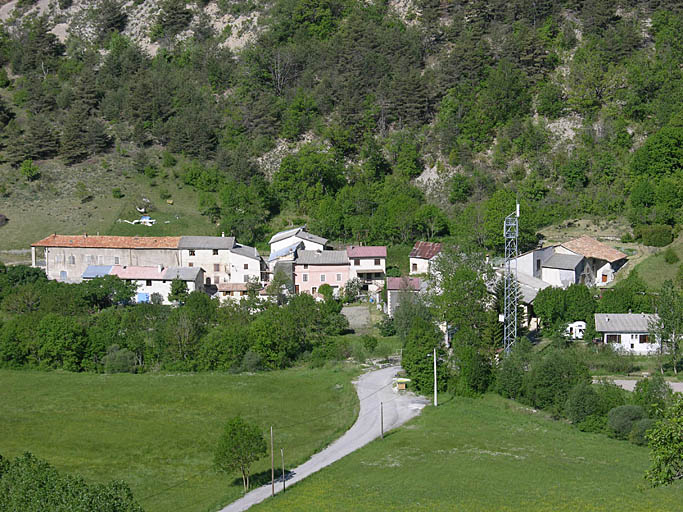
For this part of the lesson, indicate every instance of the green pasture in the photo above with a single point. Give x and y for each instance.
(157, 431)
(483, 455)
(654, 270)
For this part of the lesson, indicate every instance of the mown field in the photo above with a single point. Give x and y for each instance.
(655, 270)
(481, 455)
(157, 431)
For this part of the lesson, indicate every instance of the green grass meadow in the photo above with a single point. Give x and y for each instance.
(655, 270)
(157, 431)
(486, 454)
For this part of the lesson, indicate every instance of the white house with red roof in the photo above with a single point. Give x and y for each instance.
(369, 264)
(422, 256)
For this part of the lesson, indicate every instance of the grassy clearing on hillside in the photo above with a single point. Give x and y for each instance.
(484, 454)
(398, 256)
(53, 204)
(654, 270)
(155, 430)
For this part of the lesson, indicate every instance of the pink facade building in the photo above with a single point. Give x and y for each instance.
(312, 269)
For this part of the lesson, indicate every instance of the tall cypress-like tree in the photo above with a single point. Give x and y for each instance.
(74, 141)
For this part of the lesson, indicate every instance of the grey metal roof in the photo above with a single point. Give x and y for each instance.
(322, 258)
(529, 286)
(182, 273)
(206, 242)
(245, 250)
(94, 271)
(301, 233)
(563, 261)
(285, 251)
(623, 322)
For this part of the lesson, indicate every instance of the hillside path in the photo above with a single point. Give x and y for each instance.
(372, 388)
(630, 384)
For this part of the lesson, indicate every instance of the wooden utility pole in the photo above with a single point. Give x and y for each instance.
(282, 453)
(272, 464)
(381, 419)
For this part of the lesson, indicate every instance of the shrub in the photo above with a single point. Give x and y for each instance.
(386, 327)
(116, 193)
(670, 256)
(550, 378)
(583, 401)
(168, 160)
(369, 342)
(596, 423)
(653, 394)
(620, 420)
(119, 360)
(638, 434)
(474, 375)
(251, 362)
(657, 235)
(358, 351)
(384, 350)
(29, 170)
(610, 395)
(510, 376)
(626, 238)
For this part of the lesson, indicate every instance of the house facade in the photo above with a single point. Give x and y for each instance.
(627, 332)
(149, 279)
(293, 236)
(397, 287)
(312, 269)
(601, 260)
(369, 264)
(67, 257)
(422, 256)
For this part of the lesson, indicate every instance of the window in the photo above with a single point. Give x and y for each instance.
(116, 260)
(246, 278)
(246, 266)
(225, 294)
(305, 267)
(644, 338)
(190, 264)
(216, 267)
(356, 262)
(338, 277)
(631, 345)
(414, 267)
(377, 262)
(191, 253)
(304, 278)
(613, 338)
(216, 279)
(215, 252)
(72, 260)
(148, 282)
(322, 278)
(314, 290)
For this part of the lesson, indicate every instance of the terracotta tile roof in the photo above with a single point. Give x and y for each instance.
(591, 248)
(367, 251)
(425, 250)
(110, 242)
(401, 283)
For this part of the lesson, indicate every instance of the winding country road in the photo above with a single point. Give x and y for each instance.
(372, 388)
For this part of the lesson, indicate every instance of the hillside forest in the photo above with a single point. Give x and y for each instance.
(379, 122)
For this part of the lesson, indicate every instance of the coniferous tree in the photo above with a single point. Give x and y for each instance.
(74, 142)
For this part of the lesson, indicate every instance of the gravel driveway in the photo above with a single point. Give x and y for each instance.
(372, 388)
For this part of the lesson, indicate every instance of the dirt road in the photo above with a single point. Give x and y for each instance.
(372, 388)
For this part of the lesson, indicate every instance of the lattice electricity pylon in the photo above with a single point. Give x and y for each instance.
(511, 233)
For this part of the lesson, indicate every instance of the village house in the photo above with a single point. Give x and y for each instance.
(422, 256)
(67, 256)
(398, 287)
(312, 269)
(290, 237)
(369, 265)
(222, 259)
(601, 260)
(627, 332)
(149, 279)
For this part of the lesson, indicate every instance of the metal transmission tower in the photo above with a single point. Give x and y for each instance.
(511, 232)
